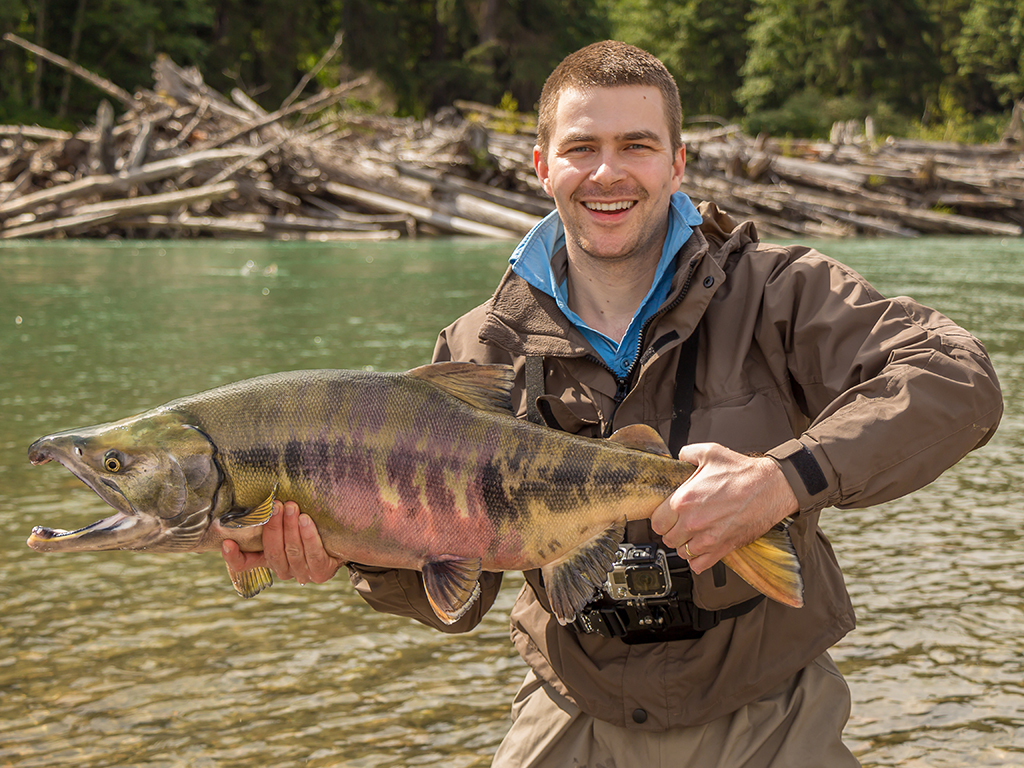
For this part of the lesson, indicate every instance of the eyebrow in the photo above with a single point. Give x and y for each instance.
(641, 135)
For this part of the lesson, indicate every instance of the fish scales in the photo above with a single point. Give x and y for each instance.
(426, 470)
(377, 475)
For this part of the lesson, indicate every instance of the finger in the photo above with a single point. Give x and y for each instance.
(273, 543)
(664, 517)
(676, 534)
(701, 563)
(239, 561)
(294, 550)
(321, 565)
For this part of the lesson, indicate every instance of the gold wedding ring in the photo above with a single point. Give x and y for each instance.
(686, 548)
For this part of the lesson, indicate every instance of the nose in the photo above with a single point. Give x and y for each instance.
(609, 169)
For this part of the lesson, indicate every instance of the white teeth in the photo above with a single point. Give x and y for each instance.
(620, 206)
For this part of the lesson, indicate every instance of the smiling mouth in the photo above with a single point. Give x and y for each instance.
(621, 205)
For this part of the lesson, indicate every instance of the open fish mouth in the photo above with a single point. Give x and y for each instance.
(109, 533)
(45, 539)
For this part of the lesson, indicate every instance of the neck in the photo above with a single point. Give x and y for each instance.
(606, 294)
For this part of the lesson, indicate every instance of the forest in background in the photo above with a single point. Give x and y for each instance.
(932, 69)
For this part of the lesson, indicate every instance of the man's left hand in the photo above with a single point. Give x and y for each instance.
(730, 501)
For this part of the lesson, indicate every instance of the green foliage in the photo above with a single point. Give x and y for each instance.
(809, 114)
(704, 51)
(867, 49)
(990, 51)
(918, 67)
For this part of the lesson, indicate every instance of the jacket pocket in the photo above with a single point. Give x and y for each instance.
(712, 597)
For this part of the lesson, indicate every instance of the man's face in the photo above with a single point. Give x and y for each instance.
(611, 170)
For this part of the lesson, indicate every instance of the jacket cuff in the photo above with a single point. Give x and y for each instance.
(808, 472)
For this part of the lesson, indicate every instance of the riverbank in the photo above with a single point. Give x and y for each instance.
(182, 160)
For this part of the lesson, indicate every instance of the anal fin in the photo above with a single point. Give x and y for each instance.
(452, 585)
(250, 583)
(572, 580)
(770, 565)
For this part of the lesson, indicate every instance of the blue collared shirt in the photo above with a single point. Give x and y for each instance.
(532, 261)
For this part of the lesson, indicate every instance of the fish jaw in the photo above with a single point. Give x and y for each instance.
(127, 529)
(162, 488)
(119, 531)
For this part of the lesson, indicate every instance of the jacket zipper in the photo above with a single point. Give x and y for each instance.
(623, 384)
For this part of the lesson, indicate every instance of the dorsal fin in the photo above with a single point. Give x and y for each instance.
(642, 438)
(487, 387)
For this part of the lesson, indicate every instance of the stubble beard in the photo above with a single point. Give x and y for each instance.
(642, 237)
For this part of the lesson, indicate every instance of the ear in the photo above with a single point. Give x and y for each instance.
(540, 165)
(679, 166)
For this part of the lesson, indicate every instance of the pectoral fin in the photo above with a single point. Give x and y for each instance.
(770, 565)
(258, 515)
(572, 581)
(452, 585)
(250, 583)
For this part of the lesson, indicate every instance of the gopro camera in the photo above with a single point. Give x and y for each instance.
(640, 572)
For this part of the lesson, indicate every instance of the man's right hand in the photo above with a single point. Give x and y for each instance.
(292, 548)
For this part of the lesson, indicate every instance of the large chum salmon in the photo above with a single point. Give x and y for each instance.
(427, 470)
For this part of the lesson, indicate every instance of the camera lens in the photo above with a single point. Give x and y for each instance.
(645, 580)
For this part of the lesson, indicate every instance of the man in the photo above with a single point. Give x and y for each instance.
(787, 380)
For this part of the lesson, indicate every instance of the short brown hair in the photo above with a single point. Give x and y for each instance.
(608, 64)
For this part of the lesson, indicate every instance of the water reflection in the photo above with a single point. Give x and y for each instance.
(128, 659)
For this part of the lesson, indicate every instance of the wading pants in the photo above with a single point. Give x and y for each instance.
(798, 725)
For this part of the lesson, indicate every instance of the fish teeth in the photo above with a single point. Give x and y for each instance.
(621, 205)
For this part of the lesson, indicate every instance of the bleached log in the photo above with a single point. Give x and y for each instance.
(34, 132)
(421, 213)
(321, 100)
(55, 226)
(943, 223)
(517, 201)
(476, 209)
(161, 202)
(94, 185)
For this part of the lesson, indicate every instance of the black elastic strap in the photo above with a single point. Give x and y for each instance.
(682, 404)
(534, 388)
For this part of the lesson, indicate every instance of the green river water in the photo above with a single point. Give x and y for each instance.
(125, 659)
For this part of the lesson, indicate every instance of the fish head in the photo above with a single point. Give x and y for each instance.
(156, 470)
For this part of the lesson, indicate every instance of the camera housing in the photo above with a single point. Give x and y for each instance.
(640, 572)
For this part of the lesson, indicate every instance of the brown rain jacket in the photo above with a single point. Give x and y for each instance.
(861, 399)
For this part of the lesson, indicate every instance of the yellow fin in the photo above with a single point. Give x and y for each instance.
(258, 515)
(250, 583)
(572, 580)
(452, 585)
(769, 564)
(487, 387)
(642, 438)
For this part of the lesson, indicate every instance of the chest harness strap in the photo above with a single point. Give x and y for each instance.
(674, 616)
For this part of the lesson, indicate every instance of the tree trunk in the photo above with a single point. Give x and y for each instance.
(76, 41)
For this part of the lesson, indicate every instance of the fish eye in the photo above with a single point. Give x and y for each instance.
(112, 461)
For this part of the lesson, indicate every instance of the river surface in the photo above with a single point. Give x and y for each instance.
(126, 659)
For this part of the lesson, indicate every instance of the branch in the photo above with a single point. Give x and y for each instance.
(115, 91)
(313, 72)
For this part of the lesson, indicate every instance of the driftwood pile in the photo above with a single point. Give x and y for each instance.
(896, 188)
(182, 160)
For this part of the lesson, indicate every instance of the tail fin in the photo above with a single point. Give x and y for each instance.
(769, 564)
